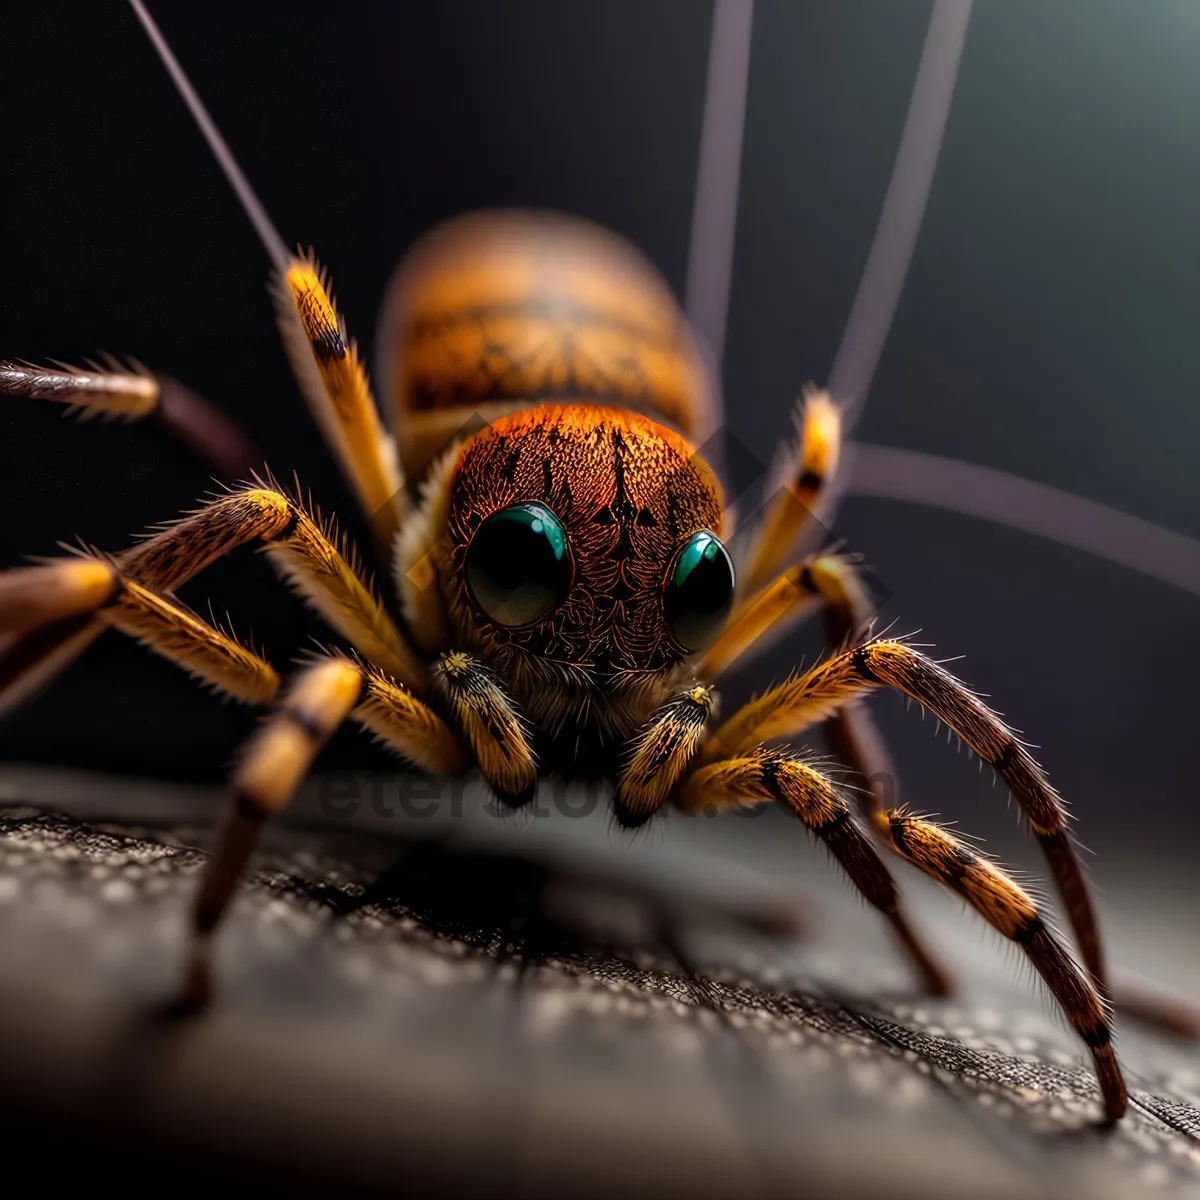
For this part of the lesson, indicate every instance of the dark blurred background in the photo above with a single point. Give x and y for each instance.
(1048, 327)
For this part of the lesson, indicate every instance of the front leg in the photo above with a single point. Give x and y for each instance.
(490, 722)
(660, 754)
(657, 770)
(276, 759)
(806, 699)
(762, 775)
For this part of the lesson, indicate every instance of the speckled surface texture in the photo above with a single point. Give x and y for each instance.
(483, 1023)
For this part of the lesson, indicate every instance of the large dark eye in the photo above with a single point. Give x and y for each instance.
(519, 564)
(699, 591)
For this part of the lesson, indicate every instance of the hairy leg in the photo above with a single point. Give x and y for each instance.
(796, 704)
(816, 453)
(151, 618)
(767, 775)
(274, 762)
(303, 552)
(135, 393)
(764, 775)
(327, 366)
(490, 723)
(1013, 913)
(660, 754)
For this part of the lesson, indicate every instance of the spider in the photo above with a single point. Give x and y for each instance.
(567, 596)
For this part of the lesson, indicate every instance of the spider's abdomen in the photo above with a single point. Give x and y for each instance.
(497, 310)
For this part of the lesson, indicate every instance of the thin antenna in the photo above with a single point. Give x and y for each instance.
(714, 217)
(267, 232)
(903, 209)
(887, 472)
(895, 239)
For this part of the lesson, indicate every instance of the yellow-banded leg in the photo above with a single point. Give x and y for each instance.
(134, 393)
(660, 754)
(817, 450)
(787, 709)
(321, 567)
(327, 367)
(272, 765)
(388, 709)
(490, 722)
(34, 596)
(658, 761)
(207, 654)
(763, 775)
(766, 775)
(157, 621)
(1013, 913)
(303, 553)
(857, 741)
(790, 707)
(828, 579)
(853, 734)
(275, 761)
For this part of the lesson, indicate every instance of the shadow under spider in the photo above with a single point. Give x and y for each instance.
(516, 908)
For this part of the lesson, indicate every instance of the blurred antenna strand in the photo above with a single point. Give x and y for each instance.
(903, 210)
(890, 473)
(246, 195)
(714, 217)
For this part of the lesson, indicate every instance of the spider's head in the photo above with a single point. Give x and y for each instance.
(581, 558)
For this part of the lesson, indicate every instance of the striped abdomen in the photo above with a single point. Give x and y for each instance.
(495, 311)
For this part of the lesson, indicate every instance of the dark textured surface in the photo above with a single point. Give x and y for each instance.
(527, 1025)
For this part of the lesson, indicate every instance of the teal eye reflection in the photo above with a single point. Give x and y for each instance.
(519, 564)
(698, 595)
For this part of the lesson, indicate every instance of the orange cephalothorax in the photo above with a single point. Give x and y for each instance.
(583, 542)
(496, 311)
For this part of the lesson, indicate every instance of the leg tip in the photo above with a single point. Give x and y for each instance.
(1113, 1092)
(630, 818)
(195, 996)
(938, 981)
(514, 799)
